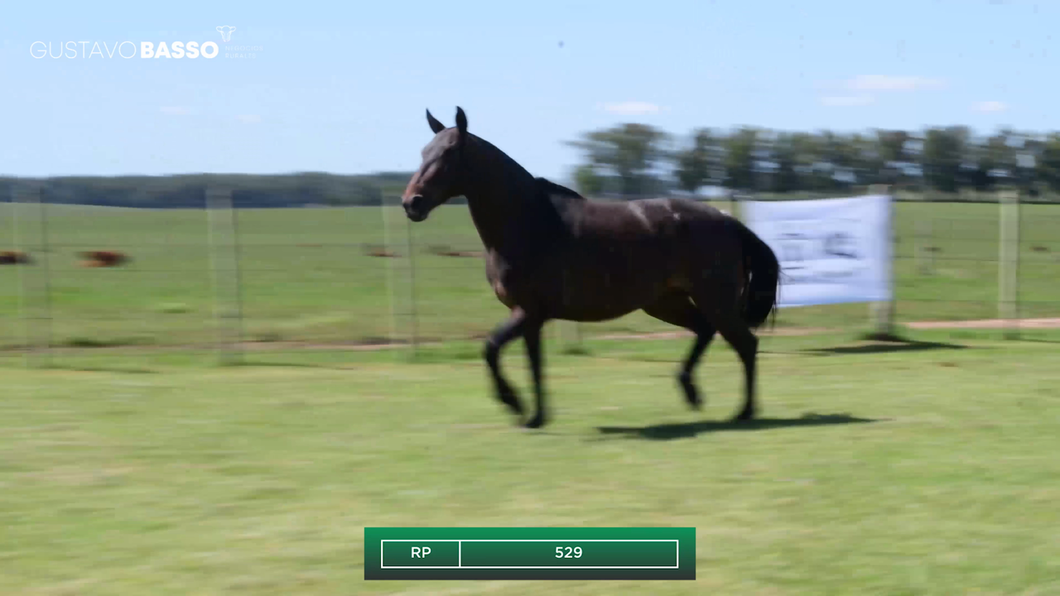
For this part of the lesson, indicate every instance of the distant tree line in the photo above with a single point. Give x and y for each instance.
(637, 160)
(189, 191)
(632, 160)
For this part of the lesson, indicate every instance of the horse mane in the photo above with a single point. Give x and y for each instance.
(544, 188)
(547, 187)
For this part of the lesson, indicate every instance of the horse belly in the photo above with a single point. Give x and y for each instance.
(598, 289)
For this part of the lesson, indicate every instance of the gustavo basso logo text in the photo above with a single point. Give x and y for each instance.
(87, 50)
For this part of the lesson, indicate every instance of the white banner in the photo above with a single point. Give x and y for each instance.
(830, 250)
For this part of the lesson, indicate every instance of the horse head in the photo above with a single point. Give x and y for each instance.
(440, 176)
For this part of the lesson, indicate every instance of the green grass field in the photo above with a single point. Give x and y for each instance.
(306, 277)
(925, 468)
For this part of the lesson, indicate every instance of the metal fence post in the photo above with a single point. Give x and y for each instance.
(390, 289)
(881, 314)
(46, 290)
(31, 294)
(1009, 261)
(23, 299)
(924, 252)
(412, 287)
(223, 233)
(569, 336)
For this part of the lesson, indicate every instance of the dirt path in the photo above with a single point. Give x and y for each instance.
(1053, 323)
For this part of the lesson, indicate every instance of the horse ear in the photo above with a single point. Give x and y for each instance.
(436, 126)
(461, 121)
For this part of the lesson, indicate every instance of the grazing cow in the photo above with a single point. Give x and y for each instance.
(13, 257)
(103, 258)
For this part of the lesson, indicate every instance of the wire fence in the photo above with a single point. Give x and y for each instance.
(234, 279)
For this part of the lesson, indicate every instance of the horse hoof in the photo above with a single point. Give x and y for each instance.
(535, 422)
(745, 416)
(691, 393)
(509, 399)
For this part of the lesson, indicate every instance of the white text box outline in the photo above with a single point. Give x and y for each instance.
(460, 565)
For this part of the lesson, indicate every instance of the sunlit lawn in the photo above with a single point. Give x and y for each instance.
(929, 469)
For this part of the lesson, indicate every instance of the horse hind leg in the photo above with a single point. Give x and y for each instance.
(721, 308)
(745, 343)
(677, 309)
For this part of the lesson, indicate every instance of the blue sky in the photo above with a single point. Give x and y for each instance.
(342, 87)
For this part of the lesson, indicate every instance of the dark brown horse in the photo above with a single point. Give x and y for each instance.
(552, 254)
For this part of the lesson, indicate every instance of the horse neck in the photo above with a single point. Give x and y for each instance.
(502, 198)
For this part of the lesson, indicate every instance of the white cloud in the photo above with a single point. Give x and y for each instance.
(632, 108)
(847, 100)
(989, 106)
(249, 118)
(175, 110)
(892, 83)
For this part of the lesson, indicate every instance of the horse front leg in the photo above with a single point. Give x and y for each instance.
(504, 333)
(532, 337)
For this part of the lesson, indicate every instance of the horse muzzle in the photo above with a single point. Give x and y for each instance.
(416, 208)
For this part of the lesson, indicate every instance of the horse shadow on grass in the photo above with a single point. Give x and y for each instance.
(1040, 340)
(886, 346)
(685, 430)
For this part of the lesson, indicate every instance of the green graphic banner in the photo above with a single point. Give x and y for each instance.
(530, 553)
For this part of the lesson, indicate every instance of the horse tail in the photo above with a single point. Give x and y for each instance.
(761, 278)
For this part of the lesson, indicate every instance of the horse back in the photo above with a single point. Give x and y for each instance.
(647, 220)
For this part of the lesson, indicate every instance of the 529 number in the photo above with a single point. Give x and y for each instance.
(566, 552)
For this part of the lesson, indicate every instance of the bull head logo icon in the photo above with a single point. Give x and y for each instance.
(226, 32)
